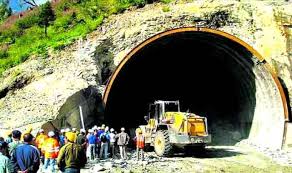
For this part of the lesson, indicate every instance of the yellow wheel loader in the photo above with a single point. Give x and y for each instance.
(168, 128)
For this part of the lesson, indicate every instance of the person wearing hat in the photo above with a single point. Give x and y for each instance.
(27, 130)
(62, 137)
(40, 139)
(71, 157)
(50, 149)
(16, 135)
(74, 130)
(9, 139)
(91, 138)
(104, 144)
(140, 143)
(26, 157)
(67, 130)
(112, 143)
(97, 133)
(5, 163)
(81, 138)
(122, 141)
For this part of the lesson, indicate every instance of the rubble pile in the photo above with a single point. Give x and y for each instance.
(282, 157)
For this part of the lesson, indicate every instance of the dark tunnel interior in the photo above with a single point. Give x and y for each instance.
(209, 74)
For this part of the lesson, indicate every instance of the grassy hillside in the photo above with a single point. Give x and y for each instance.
(21, 37)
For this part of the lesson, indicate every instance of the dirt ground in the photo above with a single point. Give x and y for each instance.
(213, 159)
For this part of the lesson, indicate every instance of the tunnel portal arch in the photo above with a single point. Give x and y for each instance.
(235, 87)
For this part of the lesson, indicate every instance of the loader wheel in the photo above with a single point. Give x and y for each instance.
(162, 145)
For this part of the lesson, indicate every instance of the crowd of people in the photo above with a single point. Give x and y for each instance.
(67, 150)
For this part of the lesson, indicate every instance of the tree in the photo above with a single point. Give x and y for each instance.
(5, 10)
(46, 16)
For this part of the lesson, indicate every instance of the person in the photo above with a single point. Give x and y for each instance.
(104, 139)
(91, 145)
(74, 130)
(50, 148)
(26, 157)
(40, 139)
(5, 163)
(67, 130)
(97, 132)
(81, 139)
(62, 137)
(122, 141)
(27, 130)
(16, 134)
(140, 143)
(5, 151)
(71, 157)
(112, 142)
(9, 139)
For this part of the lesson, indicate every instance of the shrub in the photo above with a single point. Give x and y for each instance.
(27, 21)
(9, 35)
(64, 22)
(62, 6)
(165, 9)
(166, 1)
(139, 3)
(3, 54)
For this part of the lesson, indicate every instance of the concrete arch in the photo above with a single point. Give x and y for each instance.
(262, 76)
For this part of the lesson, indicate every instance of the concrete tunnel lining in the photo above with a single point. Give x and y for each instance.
(238, 94)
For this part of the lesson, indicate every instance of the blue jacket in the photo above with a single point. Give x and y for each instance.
(62, 140)
(26, 157)
(91, 139)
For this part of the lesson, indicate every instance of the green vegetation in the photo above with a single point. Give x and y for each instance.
(46, 16)
(73, 19)
(165, 9)
(5, 11)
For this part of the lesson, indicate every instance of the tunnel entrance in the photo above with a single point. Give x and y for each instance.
(210, 74)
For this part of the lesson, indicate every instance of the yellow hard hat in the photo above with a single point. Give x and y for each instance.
(9, 132)
(138, 130)
(70, 136)
(29, 129)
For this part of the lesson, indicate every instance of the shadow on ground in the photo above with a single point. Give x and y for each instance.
(209, 153)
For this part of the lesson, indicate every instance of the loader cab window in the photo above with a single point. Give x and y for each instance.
(172, 107)
(154, 111)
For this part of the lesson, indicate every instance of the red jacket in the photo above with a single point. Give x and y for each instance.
(140, 141)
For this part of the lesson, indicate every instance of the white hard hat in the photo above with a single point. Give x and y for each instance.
(82, 131)
(90, 130)
(98, 128)
(41, 130)
(112, 130)
(73, 129)
(51, 134)
(62, 130)
(68, 130)
(122, 129)
(94, 127)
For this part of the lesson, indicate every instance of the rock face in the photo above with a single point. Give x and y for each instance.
(34, 92)
(51, 82)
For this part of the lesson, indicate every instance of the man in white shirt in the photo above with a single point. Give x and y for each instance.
(112, 143)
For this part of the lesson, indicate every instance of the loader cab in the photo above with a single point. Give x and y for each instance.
(155, 110)
(158, 109)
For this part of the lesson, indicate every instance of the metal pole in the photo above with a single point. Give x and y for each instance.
(81, 116)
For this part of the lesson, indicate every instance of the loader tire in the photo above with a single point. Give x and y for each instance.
(162, 145)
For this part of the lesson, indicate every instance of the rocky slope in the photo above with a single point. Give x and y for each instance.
(33, 92)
